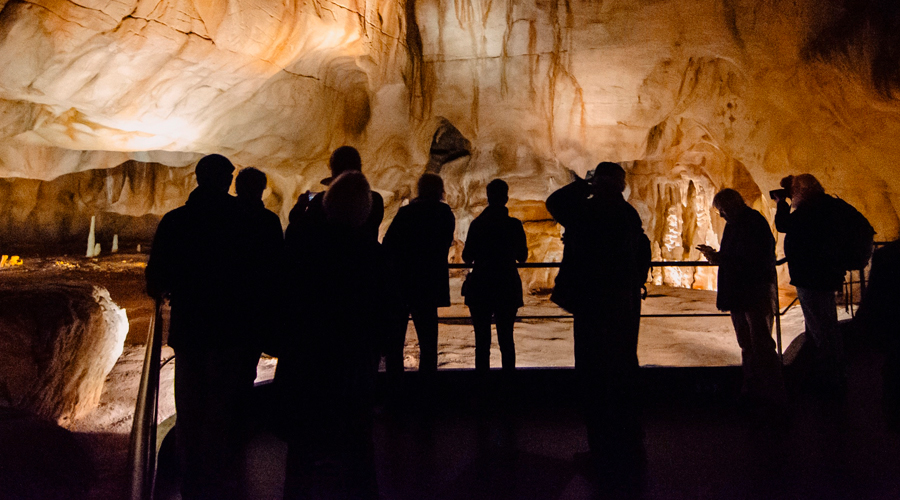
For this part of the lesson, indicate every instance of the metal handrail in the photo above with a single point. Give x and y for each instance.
(142, 449)
(678, 263)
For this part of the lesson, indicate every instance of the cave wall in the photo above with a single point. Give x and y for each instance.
(691, 96)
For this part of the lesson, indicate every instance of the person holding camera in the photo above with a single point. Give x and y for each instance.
(746, 288)
(605, 263)
(809, 246)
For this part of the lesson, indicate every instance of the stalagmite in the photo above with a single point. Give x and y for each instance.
(91, 246)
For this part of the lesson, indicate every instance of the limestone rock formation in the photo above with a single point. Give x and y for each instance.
(691, 96)
(58, 342)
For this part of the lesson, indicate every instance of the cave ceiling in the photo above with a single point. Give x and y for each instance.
(691, 95)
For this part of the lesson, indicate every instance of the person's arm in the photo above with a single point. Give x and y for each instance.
(564, 202)
(783, 217)
(394, 237)
(470, 249)
(159, 270)
(449, 227)
(521, 242)
(376, 216)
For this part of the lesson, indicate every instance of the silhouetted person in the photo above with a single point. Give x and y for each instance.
(746, 288)
(265, 243)
(605, 262)
(196, 258)
(308, 212)
(494, 244)
(344, 302)
(809, 246)
(880, 315)
(419, 241)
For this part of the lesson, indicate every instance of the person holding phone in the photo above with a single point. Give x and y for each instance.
(746, 288)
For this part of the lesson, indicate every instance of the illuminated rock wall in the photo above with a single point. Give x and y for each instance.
(59, 342)
(692, 95)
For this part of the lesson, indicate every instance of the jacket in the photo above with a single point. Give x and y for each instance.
(495, 243)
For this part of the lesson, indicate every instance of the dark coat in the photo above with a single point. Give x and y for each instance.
(746, 261)
(880, 308)
(308, 216)
(605, 247)
(809, 243)
(419, 241)
(343, 303)
(495, 243)
(199, 257)
(266, 287)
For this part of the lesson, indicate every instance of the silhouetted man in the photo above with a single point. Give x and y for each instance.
(196, 259)
(605, 263)
(746, 288)
(265, 243)
(344, 302)
(880, 316)
(809, 245)
(418, 241)
(494, 244)
(308, 212)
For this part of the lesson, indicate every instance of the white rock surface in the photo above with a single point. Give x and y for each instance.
(692, 96)
(58, 342)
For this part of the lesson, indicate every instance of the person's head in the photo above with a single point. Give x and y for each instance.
(728, 202)
(214, 171)
(430, 187)
(250, 184)
(343, 159)
(804, 187)
(348, 201)
(497, 192)
(609, 178)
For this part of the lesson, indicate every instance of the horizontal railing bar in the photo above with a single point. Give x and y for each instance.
(569, 316)
(541, 265)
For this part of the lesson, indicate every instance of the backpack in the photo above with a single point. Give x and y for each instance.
(854, 236)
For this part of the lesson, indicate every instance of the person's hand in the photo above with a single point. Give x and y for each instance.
(709, 252)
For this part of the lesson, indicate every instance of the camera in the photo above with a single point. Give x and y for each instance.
(777, 194)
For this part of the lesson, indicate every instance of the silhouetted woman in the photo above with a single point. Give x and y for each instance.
(495, 243)
(326, 376)
(419, 241)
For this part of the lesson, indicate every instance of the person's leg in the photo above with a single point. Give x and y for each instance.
(425, 318)
(506, 320)
(745, 341)
(820, 315)
(481, 323)
(212, 393)
(587, 369)
(393, 347)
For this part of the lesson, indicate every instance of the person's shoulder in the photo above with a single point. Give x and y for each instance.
(377, 199)
(175, 216)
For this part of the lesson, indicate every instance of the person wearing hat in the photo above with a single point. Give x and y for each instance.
(604, 266)
(309, 213)
(197, 260)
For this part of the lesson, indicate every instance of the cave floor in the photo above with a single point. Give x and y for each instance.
(540, 343)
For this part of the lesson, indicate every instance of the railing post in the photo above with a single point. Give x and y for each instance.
(142, 449)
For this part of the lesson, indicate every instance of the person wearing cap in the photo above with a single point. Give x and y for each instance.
(308, 212)
(604, 266)
(197, 261)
